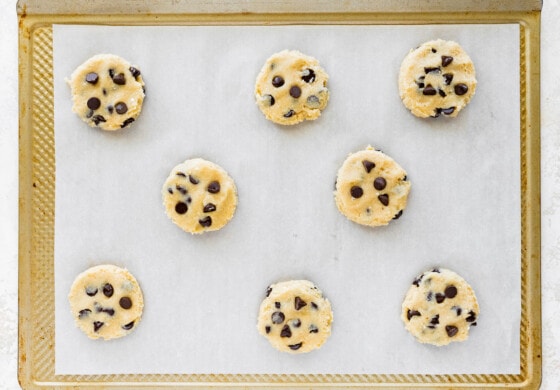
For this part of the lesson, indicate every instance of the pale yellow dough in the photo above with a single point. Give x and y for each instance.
(437, 79)
(118, 92)
(295, 317)
(356, 195)
(440, 307)
(199, 196)
(303, 93)
(106, 302)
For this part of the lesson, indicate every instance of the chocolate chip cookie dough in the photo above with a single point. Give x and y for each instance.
(437, 79)
(199, 196)
(440, 307)
(371, 188)
(291, 87)
(295, 317)
(107, 92)
(106, 302)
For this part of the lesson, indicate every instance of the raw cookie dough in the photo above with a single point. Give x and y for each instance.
(106, 302)
(295, 317)
(439, 307)
(371, 188)
(291, 88)
(437, 78)
(199, 196)
(107, 92)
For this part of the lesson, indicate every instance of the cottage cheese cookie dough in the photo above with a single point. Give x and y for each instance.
(371, 188)
(439, 307)
(295, 317)
(107, 92)
(106, 302)
(291, 88)
(437, 78)
(199, 196)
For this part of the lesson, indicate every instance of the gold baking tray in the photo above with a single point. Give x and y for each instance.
(37, 173)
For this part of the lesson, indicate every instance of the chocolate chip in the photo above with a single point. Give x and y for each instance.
(295, 91)
(268, 290)
(313, 100)
(295, 347)
(429, 90)
(299, 303)
(417, 281)
(380, 183)
(356, 192)
(111, 73)
(97, 325)
(289, 114)
(98, 118)
(111, 312)
(209, 208)
(135, 72)
(127, 122)
(119, 79)
(213, 187)
(104, 91)
(398, 215)
(384, 199)
(448, 78)
(277, 305)
(420, 84)
(84, 313)
(91, 291)
(121, 108)
(181, 208)
(92, 78)
(308, 75)
(430, 70)
(296, 323)
(108, 290)
(267, 329)
(457, 309)
(450, 291)
(193, 180)
(314, 306)
(93, 103)
(89, 114)
(286, 331)
(181, 189)
(110, 109)
(471, 317)
(446, 60)
(451, 330)
(277, 317)
(368, 165)
(269, 99)
(206, 221)
(461, 89)
(442, 93)
(128, 326)
(435, 320)
(313, 329)
(277, 81)
(440, 298)
(434, 50)
(412, 313)
(125, 303)
(429, 296)
(181, 174)
(170, 190)
(448, 111)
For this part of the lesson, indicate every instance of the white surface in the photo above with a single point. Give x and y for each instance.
(287, 225)
(550, 135)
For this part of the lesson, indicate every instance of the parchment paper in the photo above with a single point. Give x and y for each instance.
(202, 293)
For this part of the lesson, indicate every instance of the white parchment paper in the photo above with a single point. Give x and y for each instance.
(202, 293)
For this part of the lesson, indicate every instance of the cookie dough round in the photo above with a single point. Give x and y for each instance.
(437, 78)
(107, 92)
(371, 188)
(439, 307)
(295, 317)
(106, 302)
(291, 88)
(199, 196)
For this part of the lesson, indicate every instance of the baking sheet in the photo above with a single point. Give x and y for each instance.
(202, 292)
